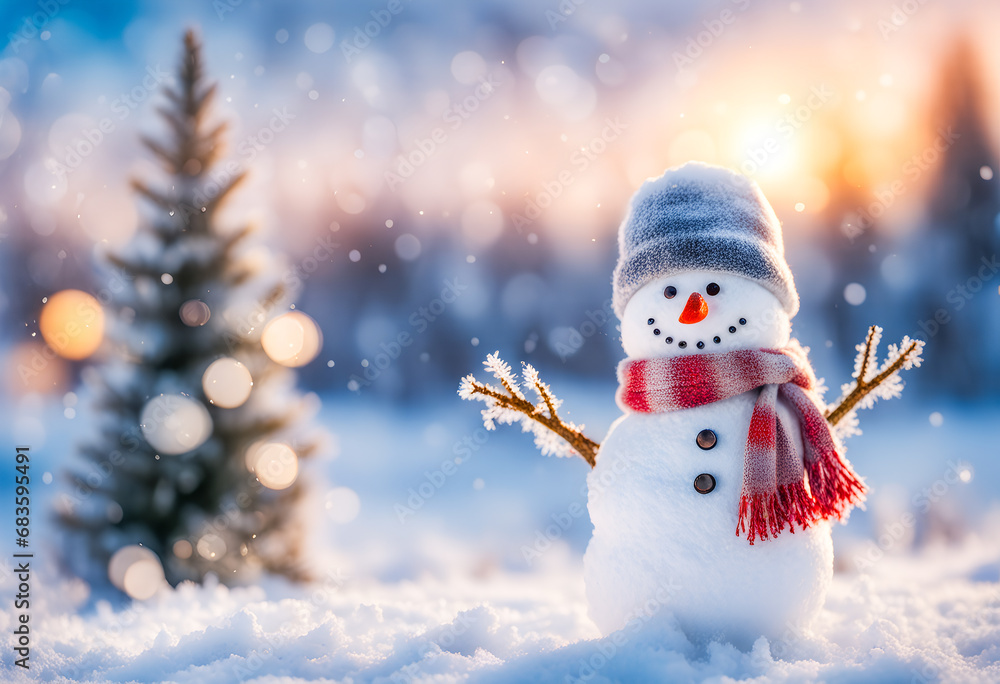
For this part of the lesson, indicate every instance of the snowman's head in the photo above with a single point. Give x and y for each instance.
(701, 266)
(699, 312)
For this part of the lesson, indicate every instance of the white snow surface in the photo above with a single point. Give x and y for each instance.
(923, 618)
(448, 594)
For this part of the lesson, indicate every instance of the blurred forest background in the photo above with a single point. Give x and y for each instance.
(454, 173)
(874, 140)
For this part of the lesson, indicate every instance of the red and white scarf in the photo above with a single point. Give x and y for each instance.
(776, 492)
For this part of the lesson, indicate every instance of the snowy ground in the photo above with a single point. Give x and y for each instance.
(925, 618)
(446, 594)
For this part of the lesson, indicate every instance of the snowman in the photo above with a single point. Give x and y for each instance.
(713, 495)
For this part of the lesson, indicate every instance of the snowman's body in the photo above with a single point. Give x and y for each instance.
(660, 546)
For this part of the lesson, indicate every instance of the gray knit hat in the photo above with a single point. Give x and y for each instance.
(698, 216)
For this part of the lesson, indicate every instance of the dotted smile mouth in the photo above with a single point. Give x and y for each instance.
(700, 344)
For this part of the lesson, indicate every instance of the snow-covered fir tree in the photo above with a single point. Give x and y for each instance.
(202, 432)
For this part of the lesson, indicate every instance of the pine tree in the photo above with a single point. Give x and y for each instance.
(194, 297)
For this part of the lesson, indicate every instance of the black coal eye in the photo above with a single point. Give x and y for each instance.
(712, 289)
(670, 292)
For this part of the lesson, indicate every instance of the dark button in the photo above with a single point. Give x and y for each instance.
(700, 345)
(706, 439)
(717, 339)
(704, 483)
(732, 328)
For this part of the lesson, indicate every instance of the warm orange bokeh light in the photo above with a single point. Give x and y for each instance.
(292, 339)
(32, 367)
(276, 465)
(72, 323)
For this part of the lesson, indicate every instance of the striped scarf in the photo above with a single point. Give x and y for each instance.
(779, 488)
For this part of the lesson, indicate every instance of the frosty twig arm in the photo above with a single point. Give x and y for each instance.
(872, 382)
(553, 435)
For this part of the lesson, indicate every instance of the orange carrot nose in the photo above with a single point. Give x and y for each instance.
(695, 310)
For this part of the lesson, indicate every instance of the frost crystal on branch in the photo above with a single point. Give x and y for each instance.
(508, 405)
(873, 381)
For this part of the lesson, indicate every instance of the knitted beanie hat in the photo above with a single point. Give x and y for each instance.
(701, 217)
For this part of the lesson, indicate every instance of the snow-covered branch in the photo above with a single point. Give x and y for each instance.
(871, 380)
(507, 404)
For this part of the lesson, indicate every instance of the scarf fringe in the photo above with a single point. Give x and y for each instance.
(797, 507)
(764, 516)
(823, 485)
(833, 484)
(757, 513)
